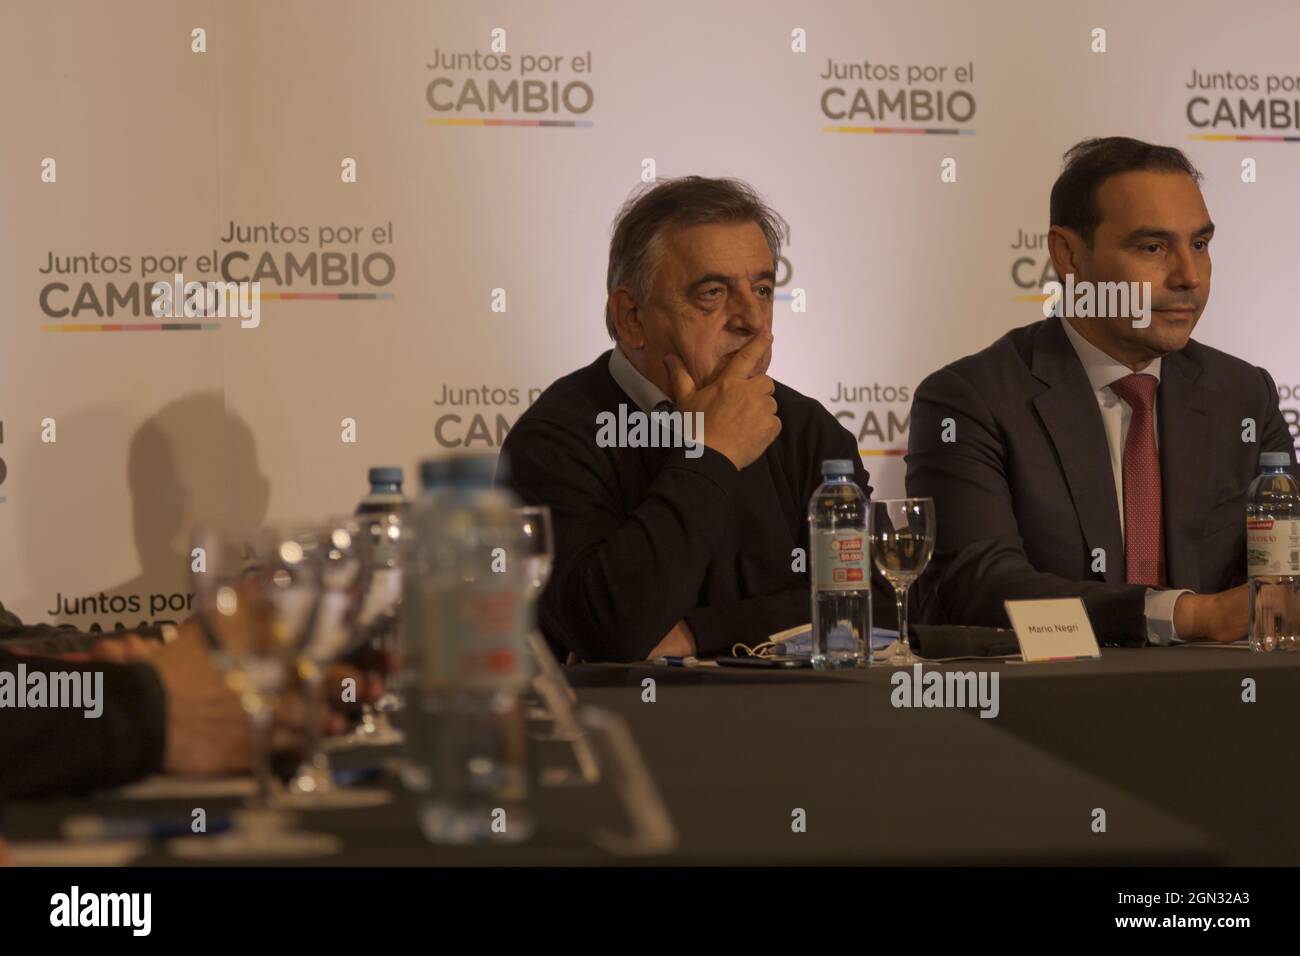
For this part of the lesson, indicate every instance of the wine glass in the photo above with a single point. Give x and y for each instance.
(537, 549)
(378, 540)
(317, 568)
(249, 643)
(538, 546)
(902, 541)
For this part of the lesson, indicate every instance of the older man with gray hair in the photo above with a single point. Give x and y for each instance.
(680, 550)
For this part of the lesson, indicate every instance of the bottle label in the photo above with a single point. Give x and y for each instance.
(475, 640)
(841, 560)
(1272, 546)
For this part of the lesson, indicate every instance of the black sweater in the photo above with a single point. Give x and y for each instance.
(645, 537)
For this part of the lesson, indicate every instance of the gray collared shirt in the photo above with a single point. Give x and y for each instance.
(647, 395)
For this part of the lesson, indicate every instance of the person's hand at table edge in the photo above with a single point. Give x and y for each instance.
(1215, 617)
(679, 642)
(207, 731)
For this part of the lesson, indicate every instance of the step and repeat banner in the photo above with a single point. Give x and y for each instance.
(424, 192)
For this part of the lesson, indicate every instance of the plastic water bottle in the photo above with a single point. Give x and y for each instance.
(385, 492)
(839, 538)
(382, 513)
(1273, 555)
(474, 665)
(421, 535)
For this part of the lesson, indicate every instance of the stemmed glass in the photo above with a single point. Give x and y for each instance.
(902, 541)
(537, 547)
(378, 540)
(248, 641)
(312, 577)
(537, 544)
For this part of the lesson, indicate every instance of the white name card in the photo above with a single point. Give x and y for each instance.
(1053, 630)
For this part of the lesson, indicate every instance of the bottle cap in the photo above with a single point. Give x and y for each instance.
(434, 471)
(837, 466)
(1274, 459)
(385, 475)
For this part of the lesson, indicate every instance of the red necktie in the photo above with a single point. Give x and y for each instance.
(1144, 537)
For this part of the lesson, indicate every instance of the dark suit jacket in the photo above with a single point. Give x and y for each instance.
(1025, 493)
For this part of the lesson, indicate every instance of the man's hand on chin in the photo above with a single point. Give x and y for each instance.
(679, 642)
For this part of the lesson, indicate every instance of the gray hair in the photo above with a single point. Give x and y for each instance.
(636, 245)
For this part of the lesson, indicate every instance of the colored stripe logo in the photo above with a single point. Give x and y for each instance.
(324, 296)
(1241, 138)
(898, 129)
(568, 124)
(131, 327)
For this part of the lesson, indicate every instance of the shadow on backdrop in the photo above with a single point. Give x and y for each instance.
(191, 464)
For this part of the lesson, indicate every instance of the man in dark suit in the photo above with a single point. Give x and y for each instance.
(677, 551)
(1104, 457)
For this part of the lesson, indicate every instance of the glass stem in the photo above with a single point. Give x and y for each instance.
(260, 724)
(900, 596)
(312, 688)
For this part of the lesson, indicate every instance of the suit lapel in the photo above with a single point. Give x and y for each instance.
(1186, 464)
(1068, 409)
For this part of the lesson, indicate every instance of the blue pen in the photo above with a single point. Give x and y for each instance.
(141, 828)
(350, 777)
(675, 661)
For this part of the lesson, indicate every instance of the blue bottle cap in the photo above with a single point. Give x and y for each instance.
(837, 466)
(1274, 459)
(385, 475)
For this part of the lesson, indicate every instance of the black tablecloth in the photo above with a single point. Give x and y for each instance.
(1159, 738)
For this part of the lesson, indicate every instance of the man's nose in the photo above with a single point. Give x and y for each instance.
(752, 313)
(1185, 273)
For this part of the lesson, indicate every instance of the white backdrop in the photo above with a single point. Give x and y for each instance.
(161, 151)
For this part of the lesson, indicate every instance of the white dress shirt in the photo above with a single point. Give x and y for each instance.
(1116, 414)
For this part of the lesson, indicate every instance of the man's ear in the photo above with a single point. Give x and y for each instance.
(627, 318)
(1066, 248)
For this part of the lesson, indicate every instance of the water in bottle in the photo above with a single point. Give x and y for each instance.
(1273, 555)
(841, 569)
(380, 517)
(421, 535)
(474, 666)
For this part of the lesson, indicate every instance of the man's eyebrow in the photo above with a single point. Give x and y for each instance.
(728, 281)
(1153, 232)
